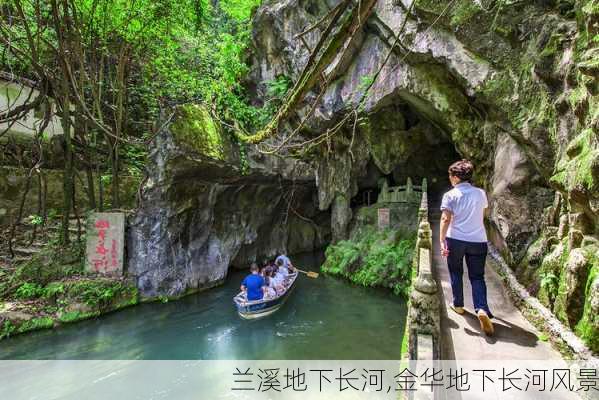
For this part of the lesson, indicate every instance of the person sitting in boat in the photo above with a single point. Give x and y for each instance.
(278, 279)
(281, 269)
(285, 262)
(271, 290)
(253, 284)
(266, 265)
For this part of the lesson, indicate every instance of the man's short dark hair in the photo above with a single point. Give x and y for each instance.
(254, 267)
(462, 169)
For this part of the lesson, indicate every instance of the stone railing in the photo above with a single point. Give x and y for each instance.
(408, 193)
(424, 314)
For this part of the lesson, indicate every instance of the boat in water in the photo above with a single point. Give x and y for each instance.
(265, 306)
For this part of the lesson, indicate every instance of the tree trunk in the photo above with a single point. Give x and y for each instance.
(100, 189)
(91, 193)
(116, 201)
(68, 165)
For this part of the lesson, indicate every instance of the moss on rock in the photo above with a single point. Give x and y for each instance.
(195, 128)
(580, 170)
(464, 11)
(588, 326)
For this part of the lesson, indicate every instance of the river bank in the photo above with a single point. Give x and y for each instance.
(52, 289)
(325, 318)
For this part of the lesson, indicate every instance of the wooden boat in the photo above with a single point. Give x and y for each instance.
(265, 306)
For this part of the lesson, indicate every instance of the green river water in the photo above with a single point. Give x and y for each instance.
(324, 318)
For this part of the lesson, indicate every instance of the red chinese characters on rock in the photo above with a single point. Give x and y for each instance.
(102, 261)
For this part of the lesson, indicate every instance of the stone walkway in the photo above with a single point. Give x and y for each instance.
(515, 338)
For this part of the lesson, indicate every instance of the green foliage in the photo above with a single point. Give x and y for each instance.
(29, 291)
(53, 289)
(581, 166)
(52, 214)
(35, 220)
(341, 258)
(243, 159)
(172, 52)
(98, 294)
(543, 337)
(163, 299)
(240, 10)
(72, 316)
(106, 179)
(279, 87)
(375, 259)
(549, 282)
(136, 157)
(588, 326)
(35, 324)
(207, 66)
(365, 82)
(50, 265)
(8, 328)
(463, 11)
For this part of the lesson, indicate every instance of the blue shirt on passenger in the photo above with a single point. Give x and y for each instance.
(254, 283)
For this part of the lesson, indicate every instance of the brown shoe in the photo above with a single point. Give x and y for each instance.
(458, 310)
(485, 323)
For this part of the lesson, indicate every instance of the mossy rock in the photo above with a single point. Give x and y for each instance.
(588, 327)
(528, 269)
(194, 128)
(550, 272)
(569, 303)
(581, 169)
(464, 11)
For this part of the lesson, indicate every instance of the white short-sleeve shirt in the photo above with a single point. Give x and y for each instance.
(467, 204)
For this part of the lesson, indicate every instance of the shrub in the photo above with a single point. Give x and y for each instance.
(53, 289)
(7, 329)
(29, 291)
(35, 324)
(98, 293)
(374, 258)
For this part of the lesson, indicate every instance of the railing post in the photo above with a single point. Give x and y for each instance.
(424, 316)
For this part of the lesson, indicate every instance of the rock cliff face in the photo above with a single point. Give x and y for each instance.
(209, 205)
(511, 85)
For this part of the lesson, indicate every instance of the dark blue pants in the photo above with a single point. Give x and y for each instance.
(475, 254)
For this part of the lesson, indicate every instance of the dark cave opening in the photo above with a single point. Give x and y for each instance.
(409, 146)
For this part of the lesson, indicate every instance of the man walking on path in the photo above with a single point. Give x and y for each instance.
(462, 235)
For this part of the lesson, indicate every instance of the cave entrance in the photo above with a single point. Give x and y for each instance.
(406, 144)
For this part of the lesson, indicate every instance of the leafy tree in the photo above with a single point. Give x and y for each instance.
(114, 67)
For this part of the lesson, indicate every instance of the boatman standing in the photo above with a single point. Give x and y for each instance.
(254, 284)
(463, 236)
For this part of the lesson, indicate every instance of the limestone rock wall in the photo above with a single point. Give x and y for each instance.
(203, 210)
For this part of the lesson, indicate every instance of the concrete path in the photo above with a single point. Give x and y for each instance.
(515, 338)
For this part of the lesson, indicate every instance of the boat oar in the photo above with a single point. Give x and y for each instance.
(310, 274)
